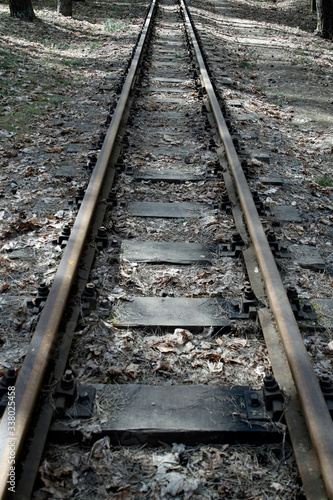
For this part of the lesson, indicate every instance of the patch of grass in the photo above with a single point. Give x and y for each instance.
(56, 99)
(115, 10)
(71, 62)
(6, 86)
(245, 65)
(303, 59)
(62, 81)
(278, 102)
(19, 117)
(124, 11)
(111, 25)
(8, 60)
(55, 45)
(325, 181)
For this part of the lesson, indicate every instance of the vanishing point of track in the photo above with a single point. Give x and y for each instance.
(291, 364)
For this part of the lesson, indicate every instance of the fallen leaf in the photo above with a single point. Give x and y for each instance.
(4, 287)
(132, 370)
(242, 342)
(101, 448)
(178, 483)
(162, 365)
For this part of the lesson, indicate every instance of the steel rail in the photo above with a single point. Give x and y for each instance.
(316, 414)
(32, 372)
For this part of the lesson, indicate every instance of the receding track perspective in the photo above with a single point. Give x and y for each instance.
(170, 284)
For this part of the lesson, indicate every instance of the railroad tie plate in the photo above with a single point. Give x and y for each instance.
(168, 100)
(136, 414)
(77, 148)
(163, 252)
(307, 257)
(169, 210)
(67, 171)
(168, 175)
(165, 114)
(176, 312)
(286, 214)
(272, 179)
(169, 80)
(171, 90)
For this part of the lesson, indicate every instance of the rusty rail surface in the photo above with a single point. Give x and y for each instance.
(317, 416)
(31, 375)
(33, 369)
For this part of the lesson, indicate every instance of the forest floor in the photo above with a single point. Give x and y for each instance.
(50, 76)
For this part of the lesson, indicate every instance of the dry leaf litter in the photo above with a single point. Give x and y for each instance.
(282, 73)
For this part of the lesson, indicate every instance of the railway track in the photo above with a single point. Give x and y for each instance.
(168, 251)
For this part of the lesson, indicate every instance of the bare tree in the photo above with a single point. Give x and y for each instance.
(22, 9)
(325, 18)
(64, 7)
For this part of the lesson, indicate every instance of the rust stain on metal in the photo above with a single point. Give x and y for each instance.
(33, 369)
(314, 407)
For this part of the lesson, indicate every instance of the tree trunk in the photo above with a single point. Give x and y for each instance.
(22, 9)
(325, 18)
(64, 7)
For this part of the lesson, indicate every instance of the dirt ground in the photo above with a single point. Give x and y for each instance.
(51, 73)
